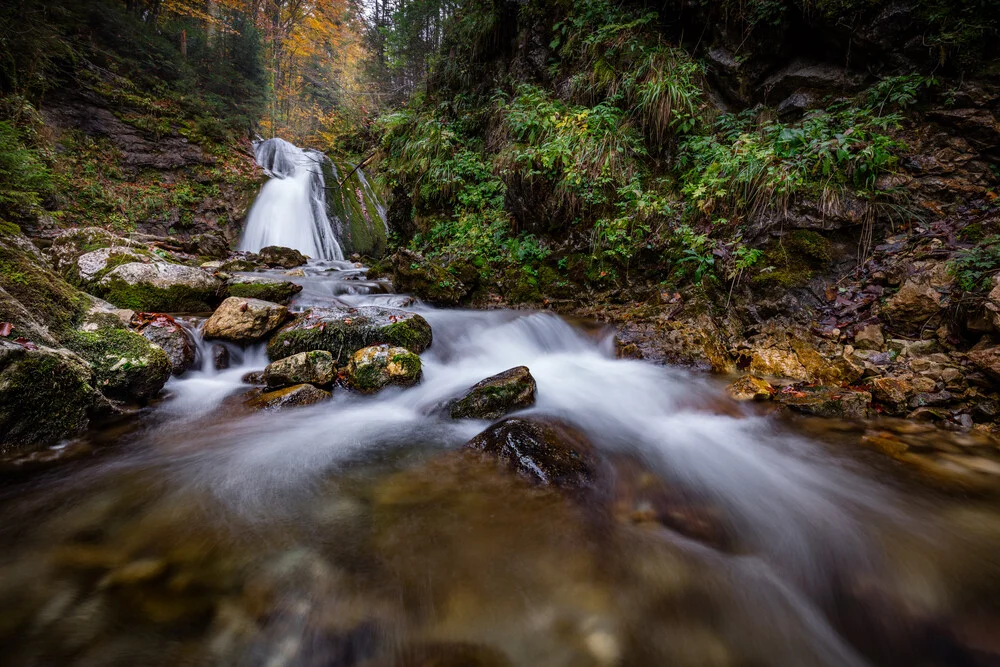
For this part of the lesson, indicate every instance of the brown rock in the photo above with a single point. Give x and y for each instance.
(314, 367)
(750, 388)
(914, 303)
(828, 402)
(987, 360)
(244, 320)
(869, 337)
(300, 394)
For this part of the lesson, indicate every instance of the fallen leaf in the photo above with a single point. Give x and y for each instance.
(25, 343)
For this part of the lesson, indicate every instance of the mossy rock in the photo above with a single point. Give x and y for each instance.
(412, 273)
(281, 257)
(240, 264)
(126, 365)
(497, 396)
(315, 367)
(344, 331)
(265, 289)
(45, 396)
(363, 231)
(374, 368)
(160, 287)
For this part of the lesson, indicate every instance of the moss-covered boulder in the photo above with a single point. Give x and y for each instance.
(412, 273)
(358, 209)
(263, 288)
(278, 257)
(160, 287)
(496, 396)
(344, 331)
(248, 262)
(126, 366)
(244, 321)
(289, 397)
(374, 368)
(545, 451)
(315, 367)
(168, 334)
(45, 396)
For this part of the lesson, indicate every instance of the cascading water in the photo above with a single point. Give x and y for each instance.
(291, 209)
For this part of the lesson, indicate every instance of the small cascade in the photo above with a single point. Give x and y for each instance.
(291, 209)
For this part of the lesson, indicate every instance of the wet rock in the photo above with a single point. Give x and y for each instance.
(254, 378)
(45, 395)
(315, 367)
(892, 391)
(374, 368)
(869, 337)
(496, 396)
(243, 321)
(240, 264)
(299, 395)
(170, 336)
(445, 654)
(159, 287)
(547, 452)
(263, 288)
(126, 365)
(220, 357)
(282, 258)
(914, 303)
(344, 331)
(750, 388)
(828, 402)
(414, 274)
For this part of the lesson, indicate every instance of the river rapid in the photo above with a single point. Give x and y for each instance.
(349, 533)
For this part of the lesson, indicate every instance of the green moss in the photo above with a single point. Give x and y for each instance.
(414, 334)
(813, 246)
(126, 365)
(148, 298)
(276, 292)
(409, 362)
(367, 379)
(48, 299)
(8, 228)
(793, 262)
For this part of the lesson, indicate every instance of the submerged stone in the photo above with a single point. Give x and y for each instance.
(374, 368)
(546, 451)
(298, 395)
(241, 320)
(492, 398)
(828, 402)
(315, 367)
(344, 331)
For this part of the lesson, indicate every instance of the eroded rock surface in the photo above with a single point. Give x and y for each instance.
(241, 320)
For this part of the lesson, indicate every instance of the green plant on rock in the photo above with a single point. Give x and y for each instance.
(975, 267)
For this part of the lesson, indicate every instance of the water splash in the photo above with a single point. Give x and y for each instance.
(291, 209)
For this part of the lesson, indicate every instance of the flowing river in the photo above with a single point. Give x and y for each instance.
(349, 533)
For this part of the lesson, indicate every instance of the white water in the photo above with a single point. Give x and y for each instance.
(290, 210)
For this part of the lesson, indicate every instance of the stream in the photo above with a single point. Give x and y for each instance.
(345, 533)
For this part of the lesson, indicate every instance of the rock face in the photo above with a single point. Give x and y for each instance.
(160, 287)
(170, 336)
(315, 367)
(547, 452)
(45, 395)
(413, 274)
(282, 258)
(263, 288)
(374, 368)
(243, 321)
(126, 366)
(496, 396)
(987, 360)
(300, 394)
(914, 303)
(344, 331)
(750, 388)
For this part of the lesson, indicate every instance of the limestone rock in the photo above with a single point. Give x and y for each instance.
(374, 368)
(547, 452)
(869, 337)
(170, 336)
(987, 360)
(750, 388)
(315, 367)
(263, 288)
(240, 320)
(298, 395)
(914, 303)
(159, 287)
(126, 366)
(344, 331)
(496, 396)
(892, 392)
(282, 258)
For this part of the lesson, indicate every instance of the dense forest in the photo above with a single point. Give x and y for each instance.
(290, 288)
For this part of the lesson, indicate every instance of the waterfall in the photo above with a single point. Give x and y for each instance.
(291, 209)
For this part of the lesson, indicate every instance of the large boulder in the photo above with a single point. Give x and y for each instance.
(374, 368)
(547, 452)
(315, 367)
(159, 287)
(496, 396)
(126, 366)
(412, 273)
(281, 258)
(45, 396)
(344, 331)
(289, 397)
(263, 288)
(243, 321)
(170, 336)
